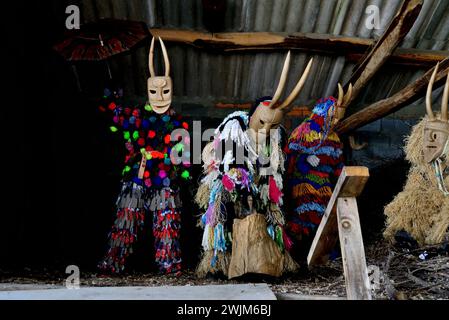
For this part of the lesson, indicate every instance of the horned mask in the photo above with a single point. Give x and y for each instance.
(342, 103)
(160, 88)
(269, 114)
(436, 129)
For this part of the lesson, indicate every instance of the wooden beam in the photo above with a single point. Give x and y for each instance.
(352, 250)
(350, 184)
(351, 47)
(405, 97)
(384, 48)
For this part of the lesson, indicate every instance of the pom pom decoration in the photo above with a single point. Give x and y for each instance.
(185, 174)
(274, 193)
(166, 182)
(228, 184)
(112, 106)
(162, 174)
(151, 134)
(147, 133)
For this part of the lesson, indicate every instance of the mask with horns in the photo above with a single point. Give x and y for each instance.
(436, 129)
(160, 88)
(269, 114)
(342, 104)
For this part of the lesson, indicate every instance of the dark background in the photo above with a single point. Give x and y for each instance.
(61, 165)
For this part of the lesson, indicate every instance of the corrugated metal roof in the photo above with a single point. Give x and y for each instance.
(210, 78)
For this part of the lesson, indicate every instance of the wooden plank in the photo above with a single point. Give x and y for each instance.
(295, 296)
(384, 48)
(351, 47)
(403, 98)
(352, 250)
(350, 184)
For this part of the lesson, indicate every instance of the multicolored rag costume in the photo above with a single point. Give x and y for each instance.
(310, 188)
(233, 188)
(150, 183)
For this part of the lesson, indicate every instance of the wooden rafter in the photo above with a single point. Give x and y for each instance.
(385, 47)
(352, 48)
(405, 97)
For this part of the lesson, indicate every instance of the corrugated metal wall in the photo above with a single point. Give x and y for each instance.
(206, 78)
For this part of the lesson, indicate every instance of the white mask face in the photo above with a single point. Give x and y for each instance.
(160, 88)
(160, 91)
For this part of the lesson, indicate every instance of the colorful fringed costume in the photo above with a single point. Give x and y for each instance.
(235, 189)
(310, 187)
(150, 184)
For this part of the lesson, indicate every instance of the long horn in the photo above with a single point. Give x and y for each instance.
(341, 95)
(166, 61)
(348, 95)
(298, 87)
(151, 58)
(445, 102)
(429, 94)
(282, 81)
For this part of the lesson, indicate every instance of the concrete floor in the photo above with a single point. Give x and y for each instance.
(208, 292)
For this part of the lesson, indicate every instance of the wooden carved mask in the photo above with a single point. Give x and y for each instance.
(160, 88)
(269, 114)
(342, 103)
(436, 129)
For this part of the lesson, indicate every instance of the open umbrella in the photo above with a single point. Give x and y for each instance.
(98, 41)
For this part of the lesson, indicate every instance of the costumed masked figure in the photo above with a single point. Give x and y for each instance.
(422, 208)
(151, 174)
(241, 192)
(314, 163)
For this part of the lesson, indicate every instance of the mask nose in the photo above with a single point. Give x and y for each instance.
(159, 94)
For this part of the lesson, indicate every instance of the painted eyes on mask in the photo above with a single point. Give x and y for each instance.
(165, 91)
(433, 136)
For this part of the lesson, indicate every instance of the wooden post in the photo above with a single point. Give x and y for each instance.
(341, 219)
(352, 250)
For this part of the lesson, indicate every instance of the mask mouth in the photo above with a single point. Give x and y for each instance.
(160, 104)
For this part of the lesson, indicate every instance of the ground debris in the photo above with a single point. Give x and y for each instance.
(401, 274)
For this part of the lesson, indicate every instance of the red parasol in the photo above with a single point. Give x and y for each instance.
(98, 41)
(102, 39)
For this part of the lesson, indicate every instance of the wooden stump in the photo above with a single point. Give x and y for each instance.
(253, 250)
